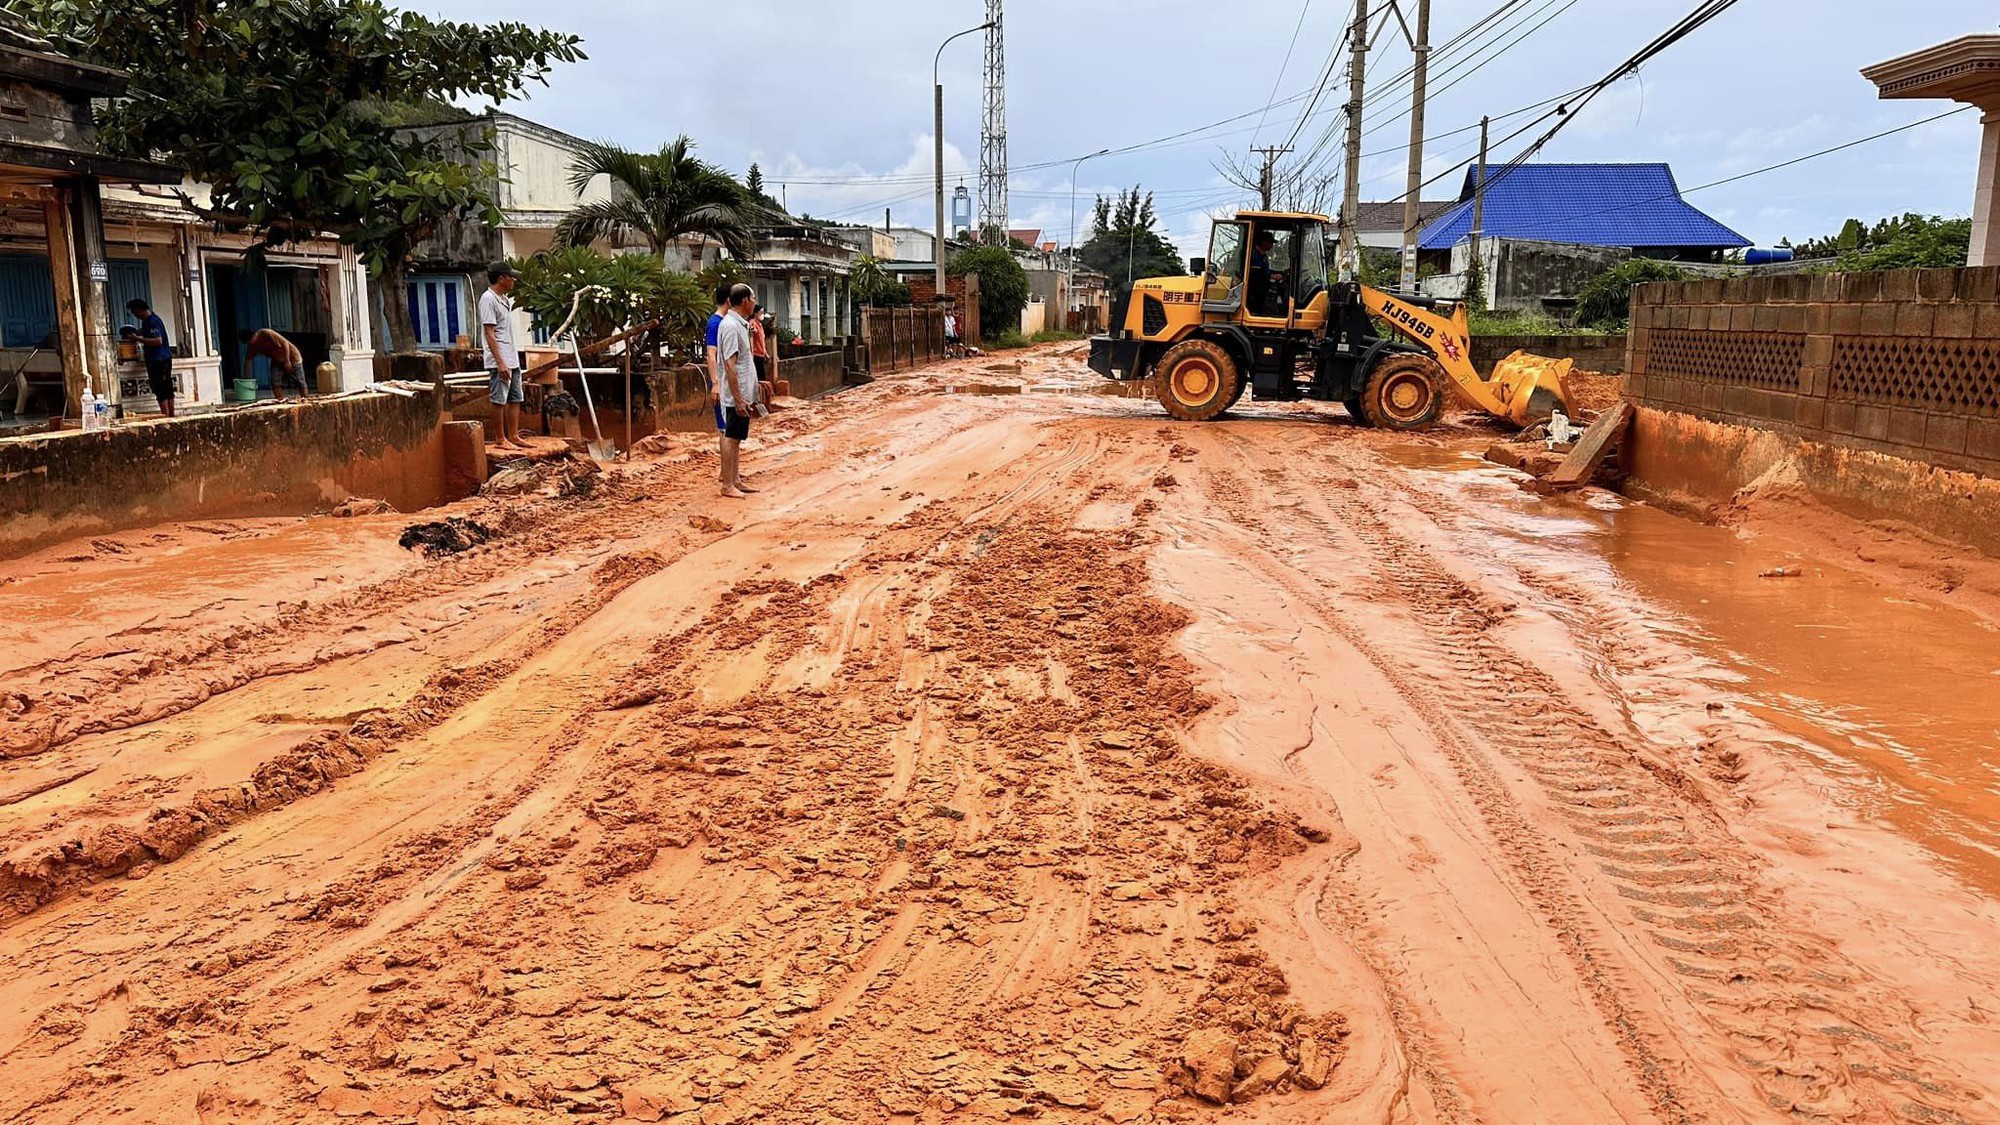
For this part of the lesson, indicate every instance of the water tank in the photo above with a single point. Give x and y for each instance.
(1764, 256)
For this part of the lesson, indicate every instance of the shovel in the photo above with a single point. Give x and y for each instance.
(601, 448)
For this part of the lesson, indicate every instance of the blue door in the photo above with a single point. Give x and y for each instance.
(437, 309)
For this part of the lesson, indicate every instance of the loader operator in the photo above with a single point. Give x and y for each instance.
(1267, 289)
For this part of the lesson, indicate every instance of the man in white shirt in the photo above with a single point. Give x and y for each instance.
(503, 355)
(736, 364)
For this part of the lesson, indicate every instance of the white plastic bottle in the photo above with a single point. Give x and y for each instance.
(86, 407)
(103, 412)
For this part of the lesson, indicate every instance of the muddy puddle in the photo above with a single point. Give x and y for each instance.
(1893, 693)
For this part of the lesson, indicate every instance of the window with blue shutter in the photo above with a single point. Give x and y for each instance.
(27, 300)
(437, 309)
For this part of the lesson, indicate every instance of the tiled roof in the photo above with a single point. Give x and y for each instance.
(1032, 236)
(1587, 204)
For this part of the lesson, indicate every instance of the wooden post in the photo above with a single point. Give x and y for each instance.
(69, 319)
(93, 283)
(628, 399)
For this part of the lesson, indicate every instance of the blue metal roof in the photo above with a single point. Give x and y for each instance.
(1588, 204)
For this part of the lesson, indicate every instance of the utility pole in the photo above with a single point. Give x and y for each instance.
(1412, 208)
(1478, 266)
(1271, 154)
(1350, 208)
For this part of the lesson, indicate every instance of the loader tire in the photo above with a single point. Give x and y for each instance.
(1196, 381)
(1404, 392)
(1242, 388)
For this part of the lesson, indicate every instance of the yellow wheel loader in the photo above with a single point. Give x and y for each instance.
(1260, 317)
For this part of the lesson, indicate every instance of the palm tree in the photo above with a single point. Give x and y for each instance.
(657, 197)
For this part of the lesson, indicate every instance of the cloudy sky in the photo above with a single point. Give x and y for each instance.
(832, 98)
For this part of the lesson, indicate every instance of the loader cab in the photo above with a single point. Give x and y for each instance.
(1267, 270)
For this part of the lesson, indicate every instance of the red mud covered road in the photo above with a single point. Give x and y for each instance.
(1007, 755)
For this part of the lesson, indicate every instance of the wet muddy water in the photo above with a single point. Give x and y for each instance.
(1895, 694)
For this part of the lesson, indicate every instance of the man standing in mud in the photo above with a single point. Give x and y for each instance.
(714, 370)
(503, 355)
(736, 366)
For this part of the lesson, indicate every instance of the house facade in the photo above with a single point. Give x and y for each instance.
(531, 184)
(211, 290)
(1549, 228)
(800, 272)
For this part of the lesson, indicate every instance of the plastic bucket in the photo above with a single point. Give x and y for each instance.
(246, 390)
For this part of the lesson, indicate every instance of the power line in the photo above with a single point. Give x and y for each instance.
(1315, 161)
(1781, 164)
(1398, 115)
(1565, 112)
(1282, 67)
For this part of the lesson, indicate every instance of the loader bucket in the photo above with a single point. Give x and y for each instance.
(1532, 387)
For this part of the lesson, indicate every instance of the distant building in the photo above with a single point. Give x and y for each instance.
(532, 165)
(1380, 225)
(799, 271)
(1547, 229)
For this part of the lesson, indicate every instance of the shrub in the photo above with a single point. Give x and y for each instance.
(1606, 300)
(1009, 339)
(1054, 336)
(619, 290)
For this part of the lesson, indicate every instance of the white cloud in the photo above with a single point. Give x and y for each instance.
(849, 192)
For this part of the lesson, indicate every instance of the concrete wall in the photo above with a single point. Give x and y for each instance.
(1690, 463)
(1591, 353)
(1520, 272)
(1905, 364)
(277, 460)
(812, 375)
(538, 161)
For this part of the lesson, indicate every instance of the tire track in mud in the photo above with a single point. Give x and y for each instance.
(1540, 876)
(1787, 1013)
(39, 871)
(198, 668)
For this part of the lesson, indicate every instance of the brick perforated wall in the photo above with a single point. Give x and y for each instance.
(1905, 363)
(1745, 359)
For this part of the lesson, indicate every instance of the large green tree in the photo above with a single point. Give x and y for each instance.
(1125, 242)
(656, 197)
(285, 109)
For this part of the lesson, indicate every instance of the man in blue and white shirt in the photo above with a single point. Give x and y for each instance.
(736, 385)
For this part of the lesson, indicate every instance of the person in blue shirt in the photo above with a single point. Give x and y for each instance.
(158, 352)
(713, 371)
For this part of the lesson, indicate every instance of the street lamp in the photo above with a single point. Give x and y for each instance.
(1074, 165)
(937, 90)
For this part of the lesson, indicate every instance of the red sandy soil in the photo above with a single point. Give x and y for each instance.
(1022, 755)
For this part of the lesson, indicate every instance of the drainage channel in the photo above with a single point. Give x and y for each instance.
(1891, 692)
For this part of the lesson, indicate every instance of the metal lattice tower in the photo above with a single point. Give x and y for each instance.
(993, 127)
